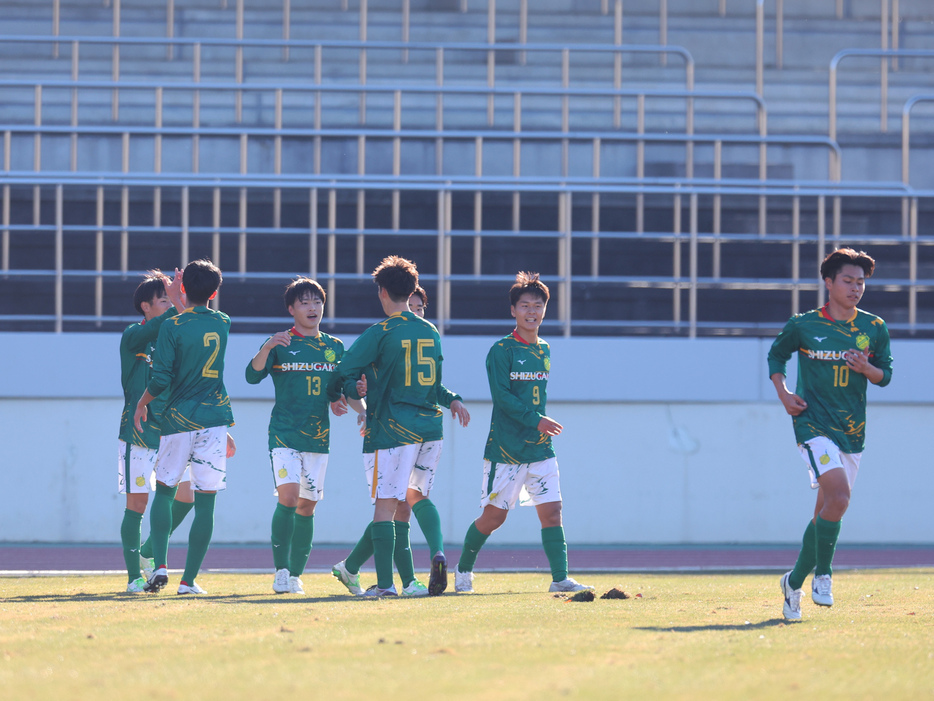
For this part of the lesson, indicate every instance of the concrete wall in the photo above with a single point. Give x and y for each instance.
(665, 441)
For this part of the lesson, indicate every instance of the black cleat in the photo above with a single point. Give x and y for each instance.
(438, 580)
(158, 580)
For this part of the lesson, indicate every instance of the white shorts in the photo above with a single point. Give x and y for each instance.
(528, 484)
(393, 471)
(821, 454)
(307, 469)
(138, 463)
(206, 450)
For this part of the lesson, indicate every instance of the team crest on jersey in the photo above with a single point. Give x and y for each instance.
(862, 341)
(330, 355)
(547, 364)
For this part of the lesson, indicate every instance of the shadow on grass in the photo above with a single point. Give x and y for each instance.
(771, 623)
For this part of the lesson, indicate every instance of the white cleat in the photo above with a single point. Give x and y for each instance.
(137, 586)
(568, 585)
(147, 566)
(463, 582)
(792, 606)
(296, 586)
(415, 588)
(280, 584)
(192, 588)
(822, 590)
(351, 581)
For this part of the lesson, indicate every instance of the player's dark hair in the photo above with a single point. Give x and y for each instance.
(302, 287)
(201, 280)
(398, 276)
(152, 286)
(421, 294)
(846, 256)
(528, 283)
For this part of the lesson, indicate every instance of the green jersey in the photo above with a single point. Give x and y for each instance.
(136, 349)
(518, 375)
(836, 397)
(402, 358)
(301, 373)
(188, 364)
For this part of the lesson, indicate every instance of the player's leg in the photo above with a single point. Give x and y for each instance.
(135, 466)
(835, 490)
(184, 502)
(347, 571)
(208, 476)
(171, 461)
(314, 468)
(287, 471)
(426, 513)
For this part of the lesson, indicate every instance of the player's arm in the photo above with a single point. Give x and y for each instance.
(261, 363)
(449, 400)
(877, 366)
(354, 364)
(173, 288)
(779, 355)
(497, 372)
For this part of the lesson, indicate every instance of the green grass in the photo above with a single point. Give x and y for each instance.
(688, 636)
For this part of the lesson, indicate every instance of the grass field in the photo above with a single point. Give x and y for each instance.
(687, 636)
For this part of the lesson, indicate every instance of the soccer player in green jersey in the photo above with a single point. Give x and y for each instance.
(426, 513)
(402, 442)
(158, 299)
(840, 349)
(301, 362)
(188, 364)
(519, 465)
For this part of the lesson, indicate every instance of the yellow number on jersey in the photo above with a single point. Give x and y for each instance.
(426, 378)
(314, 385)
(207, 370)
(536, 395)
(841, 375)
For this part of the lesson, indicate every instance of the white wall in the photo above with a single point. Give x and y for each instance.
(665, 441)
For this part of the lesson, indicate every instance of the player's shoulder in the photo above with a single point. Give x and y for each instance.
(329, 341)
(868, 318)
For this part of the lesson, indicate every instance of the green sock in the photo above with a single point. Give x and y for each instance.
(199, 537)
(361, 552)
(556, 550)
(160, 523)
(283, 524)
(384, 541)
(129, 536)
(302, 536)
(402, 553)
(180, 510)
(827, 534)
(807, 558)
(473, 541)
(430, 522)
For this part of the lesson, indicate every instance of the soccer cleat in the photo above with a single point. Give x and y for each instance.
(438, 579)
(159, 579)
(351, 581)
(463, 582)
(792, 606)
(280, 584)
(147, 566)
(376, 591)
(296, 586)
(415, 588)
(192, 588)
(137, 586)
(822, 590)
(568, 584)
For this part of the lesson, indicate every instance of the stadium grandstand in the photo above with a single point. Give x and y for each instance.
(672, 167)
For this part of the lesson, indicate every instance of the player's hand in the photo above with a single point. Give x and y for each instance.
(361, 385)
(361, 422)
(858, 361)
(793, 404)
(460, 412)
(283, 338)
(339, 407)
(231, 446)
(173, 288)
(141, 414)
(548, 426)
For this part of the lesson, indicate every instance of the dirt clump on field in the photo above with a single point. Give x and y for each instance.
(616, 593)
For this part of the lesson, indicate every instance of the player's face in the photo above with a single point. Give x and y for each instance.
(416, 305)
(156, 307)
(847, 288)
(529, 312)
(307, 312)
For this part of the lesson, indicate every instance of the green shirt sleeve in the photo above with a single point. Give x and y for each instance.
(254, 377)
(882, 356)
(783, 347)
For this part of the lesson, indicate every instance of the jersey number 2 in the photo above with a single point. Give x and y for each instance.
(209, 338)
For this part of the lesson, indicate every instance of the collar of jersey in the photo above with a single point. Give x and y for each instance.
(202, 309)
(826, 314)
(515, 335)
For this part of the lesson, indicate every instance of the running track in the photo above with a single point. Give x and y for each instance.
(27, 559)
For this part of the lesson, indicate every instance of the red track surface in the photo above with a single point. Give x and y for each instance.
(42, 558)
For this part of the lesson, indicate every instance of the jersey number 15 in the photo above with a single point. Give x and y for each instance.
(425, 377)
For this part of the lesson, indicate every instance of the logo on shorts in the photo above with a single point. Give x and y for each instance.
(283, 472)
(330, 355)
(824, 459)
(862, 341)
(140, 482)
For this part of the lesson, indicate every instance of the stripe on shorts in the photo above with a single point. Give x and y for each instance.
(375, 472)
(813, 461)
(489, 482)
